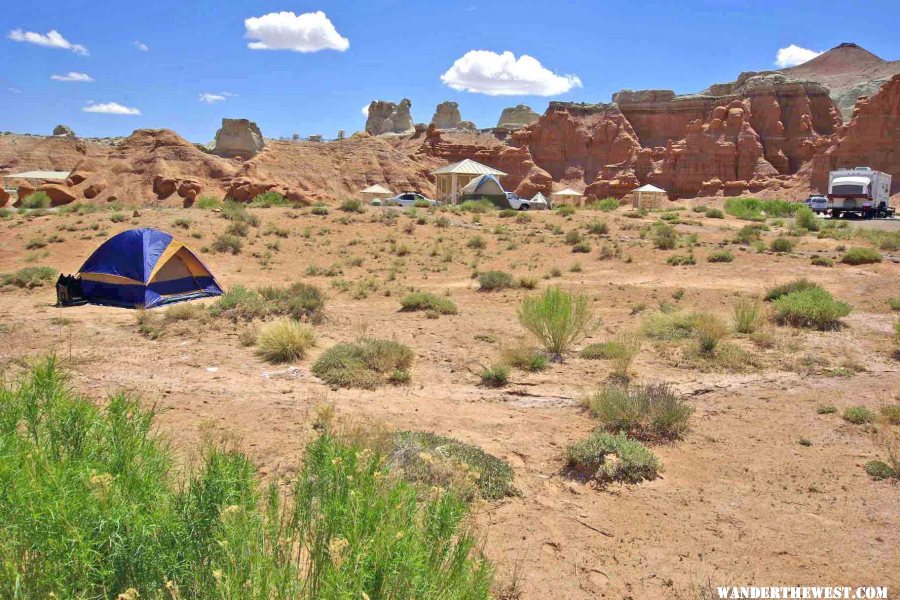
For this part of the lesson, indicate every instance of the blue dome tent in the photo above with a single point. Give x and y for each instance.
(144, 268)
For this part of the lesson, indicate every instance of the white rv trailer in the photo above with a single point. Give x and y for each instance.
(862, 191)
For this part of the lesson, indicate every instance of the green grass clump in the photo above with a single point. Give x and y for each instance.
(94, 506)
(495, 376)
(598, 228)
(878, 470)
(208, 203)
(678, 325)
(679, 260)
(29, 277)
(284, 340)
(297, 301)
(861, 256)
(805, 218)
(859, 415)
(364, 364)
(748, 315)
(581, 247)
(425, 301)
(436, 460)
(784, 289)
(352, 205)
(753, 209)
(648, 412)
(490, 281)
(894, 303)
(476, 242)
(781, 245)
(608, 204)
(813, 308)
(557, 319)
(826, 409)
(118, 217)
(664, 236)
(749, 234)
(634, 461)
(36, 200)
(720, 256)
(270, 199)
(227, 242)
(477, 206)
(714, 213)
(821, 261)
(524, 358)
(237, 212)
(891, 413)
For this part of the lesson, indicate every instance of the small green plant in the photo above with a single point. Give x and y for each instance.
(891, 413)
(364, 364)
(352, 205)
(678, 260)
(894, 303)
(491, 281)
(859, 415)
(208, 203)
(526, 282)
(29, 277)
(557, 319)
(598, 228)
(878, 470)
(720, 256)
(319, 210)
(821, 261)
(582, 247)
(608, 204)
(787, 288)
(36, 200)
(227, 243)
(269, 199)
(524, 358)
(284, 340)
(714, 213)
(781, 245)
(435, 460)
(476, 243)
(861, 256)
(826, 409)
(812, 308)
(634, 461)
(805, 218)
(748, 315)
(495, 376)
(565, 210)
(664, 236)
(424, 301)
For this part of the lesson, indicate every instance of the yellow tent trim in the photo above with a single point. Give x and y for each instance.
(107, 278)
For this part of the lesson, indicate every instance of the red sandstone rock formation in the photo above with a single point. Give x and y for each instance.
(870, 138)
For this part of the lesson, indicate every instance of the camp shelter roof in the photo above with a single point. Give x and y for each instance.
(567, 192)
(49, 175)
(376, 189)
(468, 167)
(649, 188)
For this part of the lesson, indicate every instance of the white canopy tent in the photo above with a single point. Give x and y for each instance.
(376, 191)
(568, 196)
(449, 180)
(648, 196)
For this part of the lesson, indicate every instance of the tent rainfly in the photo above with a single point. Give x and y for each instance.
(376, 191)
(648, 196)
(486, 185)
(569, 196)
(143, 268)
(449, 180)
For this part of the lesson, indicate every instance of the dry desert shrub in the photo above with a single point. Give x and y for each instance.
(652, 411)
(284, 340)
(557, 319)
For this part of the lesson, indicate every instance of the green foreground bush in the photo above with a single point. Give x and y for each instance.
(634, 461)
(448, 463)
(651, 411)
(29, 277)
(93, 506)
(557, 319)
(297, 301)
(365, 364)
(814, 308)
(861, 256)
(424, 301)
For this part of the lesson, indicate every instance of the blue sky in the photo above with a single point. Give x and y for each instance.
(383, 49)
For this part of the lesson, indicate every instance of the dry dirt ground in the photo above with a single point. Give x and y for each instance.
(740, 501)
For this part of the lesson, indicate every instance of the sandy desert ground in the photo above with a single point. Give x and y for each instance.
(740, 501)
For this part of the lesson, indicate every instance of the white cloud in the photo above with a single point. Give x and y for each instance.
(794, 55)
(111, 108)
(73, 76)
(141, 46)
(52, 39)
(487, 72)
(308, 32)
(14, 90)
(211, 98)
(365, 111)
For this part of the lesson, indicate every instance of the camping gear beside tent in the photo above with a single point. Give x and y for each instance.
(143, 268)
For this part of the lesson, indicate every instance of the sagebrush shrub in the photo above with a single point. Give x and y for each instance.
(650, 411)
(365, 364)
(425, 301)
(557, 319)
(814, 308)
(634, 461)
(489, 281)
(861, 256)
